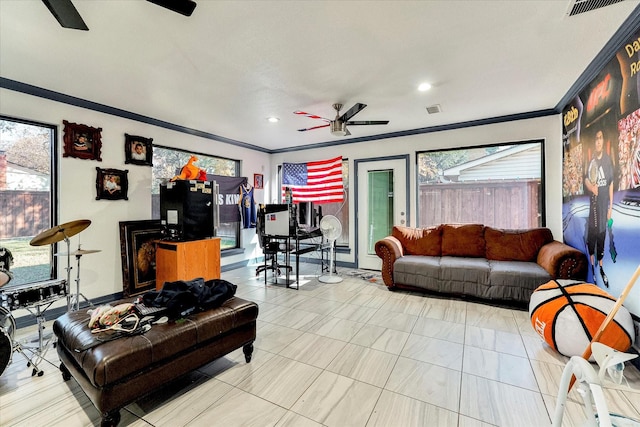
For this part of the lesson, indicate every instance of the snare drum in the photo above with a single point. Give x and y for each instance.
(7, 329)
(31, 294)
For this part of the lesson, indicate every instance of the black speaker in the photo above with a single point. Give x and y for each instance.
(187, 210)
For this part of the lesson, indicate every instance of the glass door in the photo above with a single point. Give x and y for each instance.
(382, 190)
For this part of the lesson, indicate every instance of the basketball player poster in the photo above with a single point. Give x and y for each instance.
(601, 173)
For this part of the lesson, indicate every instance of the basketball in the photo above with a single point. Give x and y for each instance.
(566, 314)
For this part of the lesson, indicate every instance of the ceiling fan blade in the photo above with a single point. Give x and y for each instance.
(369, 122)
(315, 127)
(311, 116)
(352, 111)
(183, 7)
(66, 14)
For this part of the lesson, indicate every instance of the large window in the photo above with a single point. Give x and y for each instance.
(498, 185)
(26, 199)
(339, 209)
(167, 163)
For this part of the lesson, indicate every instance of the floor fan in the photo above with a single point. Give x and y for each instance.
(331, 229)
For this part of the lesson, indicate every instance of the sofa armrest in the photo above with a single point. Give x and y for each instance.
(562, 261)
(388, 249)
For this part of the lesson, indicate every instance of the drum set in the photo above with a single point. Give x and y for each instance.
(36, 298)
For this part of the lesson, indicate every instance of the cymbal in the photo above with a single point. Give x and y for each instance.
(59, 232)
(79, 252)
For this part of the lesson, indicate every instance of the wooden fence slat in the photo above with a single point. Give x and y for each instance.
(504, 204)
(24, 213)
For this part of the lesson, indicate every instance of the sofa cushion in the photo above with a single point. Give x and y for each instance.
(417, 270)
(515, 245)
(515, 280)
(419, 241)
(464, 240)
(463, 270)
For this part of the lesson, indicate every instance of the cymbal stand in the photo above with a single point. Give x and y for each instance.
(68, 285)
(40, 351)
(78, 294)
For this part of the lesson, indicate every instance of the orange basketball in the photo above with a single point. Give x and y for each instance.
(567, 314)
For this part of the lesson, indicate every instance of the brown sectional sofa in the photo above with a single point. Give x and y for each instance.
(476, 260)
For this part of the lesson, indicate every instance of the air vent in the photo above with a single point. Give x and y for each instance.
(581, 6)
(433, 109)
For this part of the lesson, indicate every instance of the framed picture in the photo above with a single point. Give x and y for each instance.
(138, 150)
(258, 182)
(82, 141)
(138, 252)
(112, 184)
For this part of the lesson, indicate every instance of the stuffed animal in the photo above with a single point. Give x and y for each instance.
(191, 171)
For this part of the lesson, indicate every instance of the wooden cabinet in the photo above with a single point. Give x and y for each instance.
(187, 260)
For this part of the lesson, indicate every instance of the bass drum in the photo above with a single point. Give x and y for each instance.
(7, 329)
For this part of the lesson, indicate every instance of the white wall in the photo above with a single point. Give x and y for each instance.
(101, 273)
(545, 128)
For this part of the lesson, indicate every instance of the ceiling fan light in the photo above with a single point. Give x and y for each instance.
(338, 128)
(424, 87)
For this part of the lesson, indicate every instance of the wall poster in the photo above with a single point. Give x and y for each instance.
(601, 173)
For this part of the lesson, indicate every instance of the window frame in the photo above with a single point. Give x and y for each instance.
(345, 204)
(542, 198)
(238, 174)
(54, 183)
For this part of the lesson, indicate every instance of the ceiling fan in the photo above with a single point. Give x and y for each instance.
(67, 15)
(339, 124)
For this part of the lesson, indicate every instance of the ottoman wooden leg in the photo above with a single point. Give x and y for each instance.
(110, 419)
(248, 351)
(66, 375)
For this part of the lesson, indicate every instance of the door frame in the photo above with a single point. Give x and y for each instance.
(356, 164)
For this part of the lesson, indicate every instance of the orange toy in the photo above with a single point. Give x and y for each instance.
(191, 171)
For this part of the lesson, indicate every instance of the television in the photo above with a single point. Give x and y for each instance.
(188, 210)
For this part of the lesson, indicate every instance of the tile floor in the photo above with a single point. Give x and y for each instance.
(346, 354)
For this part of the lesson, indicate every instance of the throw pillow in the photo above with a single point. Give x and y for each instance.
(516, 245)
(419, 241)
(466, 240)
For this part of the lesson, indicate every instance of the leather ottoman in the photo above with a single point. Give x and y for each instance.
(118, 372)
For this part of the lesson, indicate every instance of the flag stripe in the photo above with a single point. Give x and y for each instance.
(318, 181)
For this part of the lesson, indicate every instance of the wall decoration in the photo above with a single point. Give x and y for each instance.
(138, 150)
(258, 181)
(112, 184)
(138, 253)
(601, 173)
(82, 141)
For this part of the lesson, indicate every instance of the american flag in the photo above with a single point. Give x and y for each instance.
(318, 182)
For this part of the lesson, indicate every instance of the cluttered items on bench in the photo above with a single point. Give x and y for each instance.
(174, 301)
(184, 297)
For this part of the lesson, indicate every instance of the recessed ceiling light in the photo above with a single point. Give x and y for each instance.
(273, 119)
(424, 87)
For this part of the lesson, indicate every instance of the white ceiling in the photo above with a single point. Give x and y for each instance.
(232, 64)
